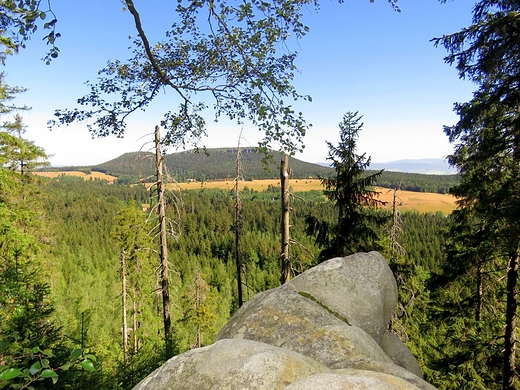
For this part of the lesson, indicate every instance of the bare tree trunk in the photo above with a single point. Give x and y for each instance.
(284, 181)
(238, 213)
(509, 379)
(161, 212)
(123, 293)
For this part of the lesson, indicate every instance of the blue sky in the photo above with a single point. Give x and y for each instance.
(358, 56)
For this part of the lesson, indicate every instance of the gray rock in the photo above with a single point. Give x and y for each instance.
(361, 288)
(232, 364)
(326, 329)
(275, 316)
(400, 354)
(352, 380)
(337, 345)
(386, 368)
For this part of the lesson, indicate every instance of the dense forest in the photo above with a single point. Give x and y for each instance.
(83, 264)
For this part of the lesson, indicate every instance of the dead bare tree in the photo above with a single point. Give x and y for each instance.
(124, 295)
(284, 182)
(163, 252)
(395, 227)
(238, 215)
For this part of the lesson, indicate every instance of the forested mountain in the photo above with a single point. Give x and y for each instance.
(221, 164)
(211, 164)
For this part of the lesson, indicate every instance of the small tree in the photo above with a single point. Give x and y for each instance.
(352, 193)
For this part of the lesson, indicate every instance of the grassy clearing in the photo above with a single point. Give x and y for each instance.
(300, 185)
(422, 202)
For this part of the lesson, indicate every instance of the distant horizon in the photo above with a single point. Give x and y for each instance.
(428, 160)
(358, 56)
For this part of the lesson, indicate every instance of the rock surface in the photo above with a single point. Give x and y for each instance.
(325, 329)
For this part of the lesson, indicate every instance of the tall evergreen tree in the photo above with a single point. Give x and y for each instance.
(352, 192)
(32, 348)
(487, 153)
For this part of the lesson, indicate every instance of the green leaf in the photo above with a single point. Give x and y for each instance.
(36, 367)
(47, 352)
(87, 365)
(65, 367)
(45, 363)
(91, 357)
(50, 374)
(76, 354)
(36, 350)
(10, 373)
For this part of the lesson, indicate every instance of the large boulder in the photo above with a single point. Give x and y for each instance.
(324, 329)
(233, 365)
(360, 288)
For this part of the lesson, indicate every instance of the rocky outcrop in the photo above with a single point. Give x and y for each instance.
(325, 329)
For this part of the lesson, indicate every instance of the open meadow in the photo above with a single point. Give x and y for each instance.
(86, 176)
(421, 202)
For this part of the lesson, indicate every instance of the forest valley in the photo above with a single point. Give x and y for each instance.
(77, 276)
(82, 281)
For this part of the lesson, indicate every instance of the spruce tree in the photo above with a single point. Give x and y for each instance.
(487, 154)
(32, 347)
(353, 194)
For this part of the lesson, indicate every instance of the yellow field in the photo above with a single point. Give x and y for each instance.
(93, 175)
(421, 202)
(299, 185)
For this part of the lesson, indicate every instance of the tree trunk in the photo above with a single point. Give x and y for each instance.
(510, 334)
(284, 181)
(161, 212)
(123, 293)
(198, 302)
(238, 211)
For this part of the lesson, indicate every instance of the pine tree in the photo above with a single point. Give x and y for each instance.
(32, 347)
(351, 191)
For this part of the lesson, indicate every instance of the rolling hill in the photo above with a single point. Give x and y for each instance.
(214, 164)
